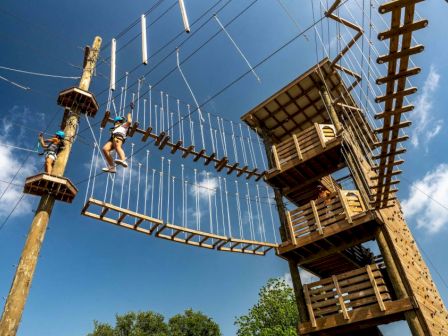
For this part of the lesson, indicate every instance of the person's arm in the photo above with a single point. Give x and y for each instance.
(42, 141)
(129, 122)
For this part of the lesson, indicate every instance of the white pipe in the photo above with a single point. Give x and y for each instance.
(144, 43)
(113, 49)
(184, 16)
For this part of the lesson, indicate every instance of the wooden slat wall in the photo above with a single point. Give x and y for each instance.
(303, 144)
(315, 216)
(416, 272)
(346, 292)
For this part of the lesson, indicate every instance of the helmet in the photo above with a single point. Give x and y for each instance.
(118, 119)
(60, 134)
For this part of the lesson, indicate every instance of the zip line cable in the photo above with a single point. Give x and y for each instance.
(38, 73)
(26, 88)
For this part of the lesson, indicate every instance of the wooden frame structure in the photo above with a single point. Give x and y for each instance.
(163, 140)
(83, 100)
(61, 188)
(125, 218)
(356, 297)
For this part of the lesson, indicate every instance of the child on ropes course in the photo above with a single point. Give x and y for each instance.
(116, 141)
(52, 147)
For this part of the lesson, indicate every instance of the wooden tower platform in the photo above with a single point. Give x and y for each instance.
(308, 134)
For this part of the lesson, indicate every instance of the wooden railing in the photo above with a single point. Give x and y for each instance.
(302, 145)
(317, 216)
(344, 293)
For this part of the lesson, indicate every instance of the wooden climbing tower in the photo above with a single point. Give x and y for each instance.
(311, 130)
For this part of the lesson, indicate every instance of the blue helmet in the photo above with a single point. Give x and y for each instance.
(60, 134)
(118, 119)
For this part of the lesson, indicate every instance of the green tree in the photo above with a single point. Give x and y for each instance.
(133, 324)
(275, 313)
(192, 323)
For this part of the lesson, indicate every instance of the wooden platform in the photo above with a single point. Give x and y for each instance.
(326, 226)
(306, 156)
(61, 188)
(125, 218)
(163, 140)
(299, 105)
(82, 100)
(112, 214)
(357, 299)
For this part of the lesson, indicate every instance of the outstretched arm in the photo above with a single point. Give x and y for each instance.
(41, 140)
(129, 121)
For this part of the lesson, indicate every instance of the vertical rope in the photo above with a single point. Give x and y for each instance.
(227, 206)
(238, 207)
(138, 188)
(263, 229)
(96, 163)
(159, 205)
(215, 193)
(162, 113)
(172, 207)
(251, 148)
(222, 205)
(211, 132)
(196, 189)
(209, 194)
(181, 123)
(168, 178)
(168, 127)
(216, 141)
(146, 180)
(122, 188)
(130, 175)
(139, 82)
(155, 119)
(270, 212)
(144, 113)
(125, 93)
(221, 136)
(249, 208)
(90, 172)
(113, 49)
(121, 101)
(183, 195)
(150, 106)
(262, 154)
(242, 145)
(234, 142)
(224, 135)
(186, 203)
(152, 190)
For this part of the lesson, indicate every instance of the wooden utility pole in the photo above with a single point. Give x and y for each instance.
(18, 293)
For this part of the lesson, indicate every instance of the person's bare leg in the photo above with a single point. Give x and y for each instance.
(118, 147)
(107, 148)
(48, 165)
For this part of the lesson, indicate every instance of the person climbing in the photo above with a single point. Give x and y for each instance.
(52, 147)
(118, 136)
(324, 195)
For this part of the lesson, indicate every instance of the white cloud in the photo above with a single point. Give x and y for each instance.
(205, 187)
(9, 165)
(428, 200)
(305, 276)
(425, 126)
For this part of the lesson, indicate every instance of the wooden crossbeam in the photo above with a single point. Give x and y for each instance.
(394, 4)
(401, 74)
(404, 124)
(402, 29)
(399, 94)
(400, 54)
(396, 111)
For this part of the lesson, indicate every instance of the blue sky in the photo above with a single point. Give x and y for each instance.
(90, 270)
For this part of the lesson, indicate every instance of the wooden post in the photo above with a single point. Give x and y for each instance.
(397, 282)
(330, 108)
(18, 293)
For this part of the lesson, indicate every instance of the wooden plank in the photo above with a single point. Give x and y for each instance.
(105, 119)
(291, 229)
(309, 306)
(411, 27)
(375, 288)
(187, 151)
(296, 143)
(147, 134)
(133, 129)
(316, 218)
(176, 146)
(340, 298)
(164, 142)
(276, 159)
(395, 95)
(400, 54)
(394, 4)
(199, 155)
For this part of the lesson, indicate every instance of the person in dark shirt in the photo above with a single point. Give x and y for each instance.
(52, 147)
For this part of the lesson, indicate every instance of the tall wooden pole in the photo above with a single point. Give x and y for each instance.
(20, 288)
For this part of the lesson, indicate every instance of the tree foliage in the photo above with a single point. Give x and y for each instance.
(149, 323)
(275, 313)
(192, 323)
